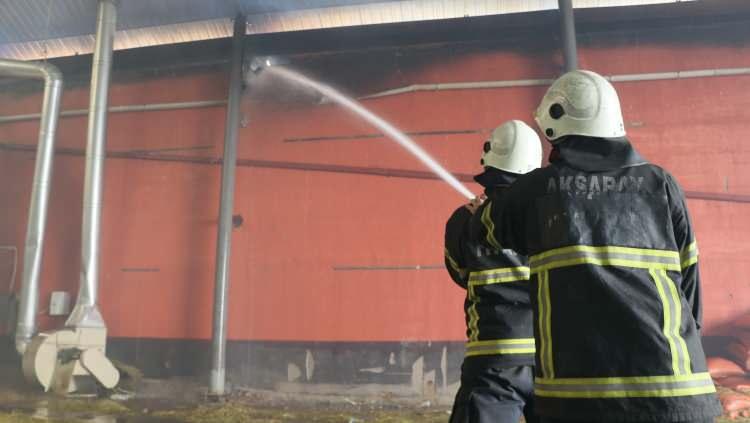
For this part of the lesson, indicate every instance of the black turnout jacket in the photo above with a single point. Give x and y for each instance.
(615, 285)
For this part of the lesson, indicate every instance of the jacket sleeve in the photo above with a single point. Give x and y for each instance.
(455, 246)
(685, 239)
(498, 222)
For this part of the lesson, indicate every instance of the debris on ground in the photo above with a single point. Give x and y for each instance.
(18, 417)
(130, 376)
(69, 406)
(224, 413)
(736, 404)
(232, 412)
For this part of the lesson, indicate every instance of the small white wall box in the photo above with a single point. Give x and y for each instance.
(59, 303)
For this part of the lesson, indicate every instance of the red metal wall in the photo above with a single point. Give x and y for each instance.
(160, 217)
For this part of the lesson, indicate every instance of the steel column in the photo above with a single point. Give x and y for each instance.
(568, 27)
(224, 236)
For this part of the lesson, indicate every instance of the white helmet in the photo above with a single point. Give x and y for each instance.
(580, 103)
(513, 147)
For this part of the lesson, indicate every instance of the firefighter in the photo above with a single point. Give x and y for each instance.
(614, 269)
(497, 372)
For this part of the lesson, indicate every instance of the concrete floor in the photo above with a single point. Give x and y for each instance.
(182, 401)
(108, 411)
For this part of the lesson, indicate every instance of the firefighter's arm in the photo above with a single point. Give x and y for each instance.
(455, 238)
(495, 225)
(688, 248)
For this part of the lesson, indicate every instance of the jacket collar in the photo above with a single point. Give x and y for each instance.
(595, 154)
(492, 179)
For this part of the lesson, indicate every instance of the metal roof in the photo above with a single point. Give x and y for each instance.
(38, 29)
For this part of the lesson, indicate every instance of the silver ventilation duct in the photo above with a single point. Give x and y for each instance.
(86, 311)
(32, 253)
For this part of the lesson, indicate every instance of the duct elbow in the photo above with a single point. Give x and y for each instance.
(51, 73)
(22, 343)
(33, 70)
(24, 333)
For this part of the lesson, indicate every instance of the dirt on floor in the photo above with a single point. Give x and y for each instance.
(21, 404)
(67, 410)
(230, 412)
(95, 411)
(236, 413)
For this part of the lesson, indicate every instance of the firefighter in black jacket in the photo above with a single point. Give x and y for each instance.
(614, 269)
(497, 373)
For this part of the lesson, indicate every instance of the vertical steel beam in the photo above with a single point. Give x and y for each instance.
(568, 28)
(224, 237)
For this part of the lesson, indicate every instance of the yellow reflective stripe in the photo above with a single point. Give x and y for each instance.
(499, 280)
(677, 322)
(609, 248)
(603, 262)
(675, 392)
(500, 275)
(453, 262)
(550, 363)
(489, 225)
(605, 256)
(501, 346)
(519, 270)
(704, 376)
(545, 325)
(620, 387)
(512, 341)
(689, 262)
(497, 351)
(689, 255)
(473, 315)
(668, 316)
(540, 323)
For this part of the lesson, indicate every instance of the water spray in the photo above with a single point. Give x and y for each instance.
(270, 64)
(262, 62)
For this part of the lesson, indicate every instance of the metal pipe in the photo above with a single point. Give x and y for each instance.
(375, 136)
(86, 311)
(635, 77)
(32, 254)
(130, 108)
(319, 167)
(461, 86)
(568, 28)
(224, 236)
